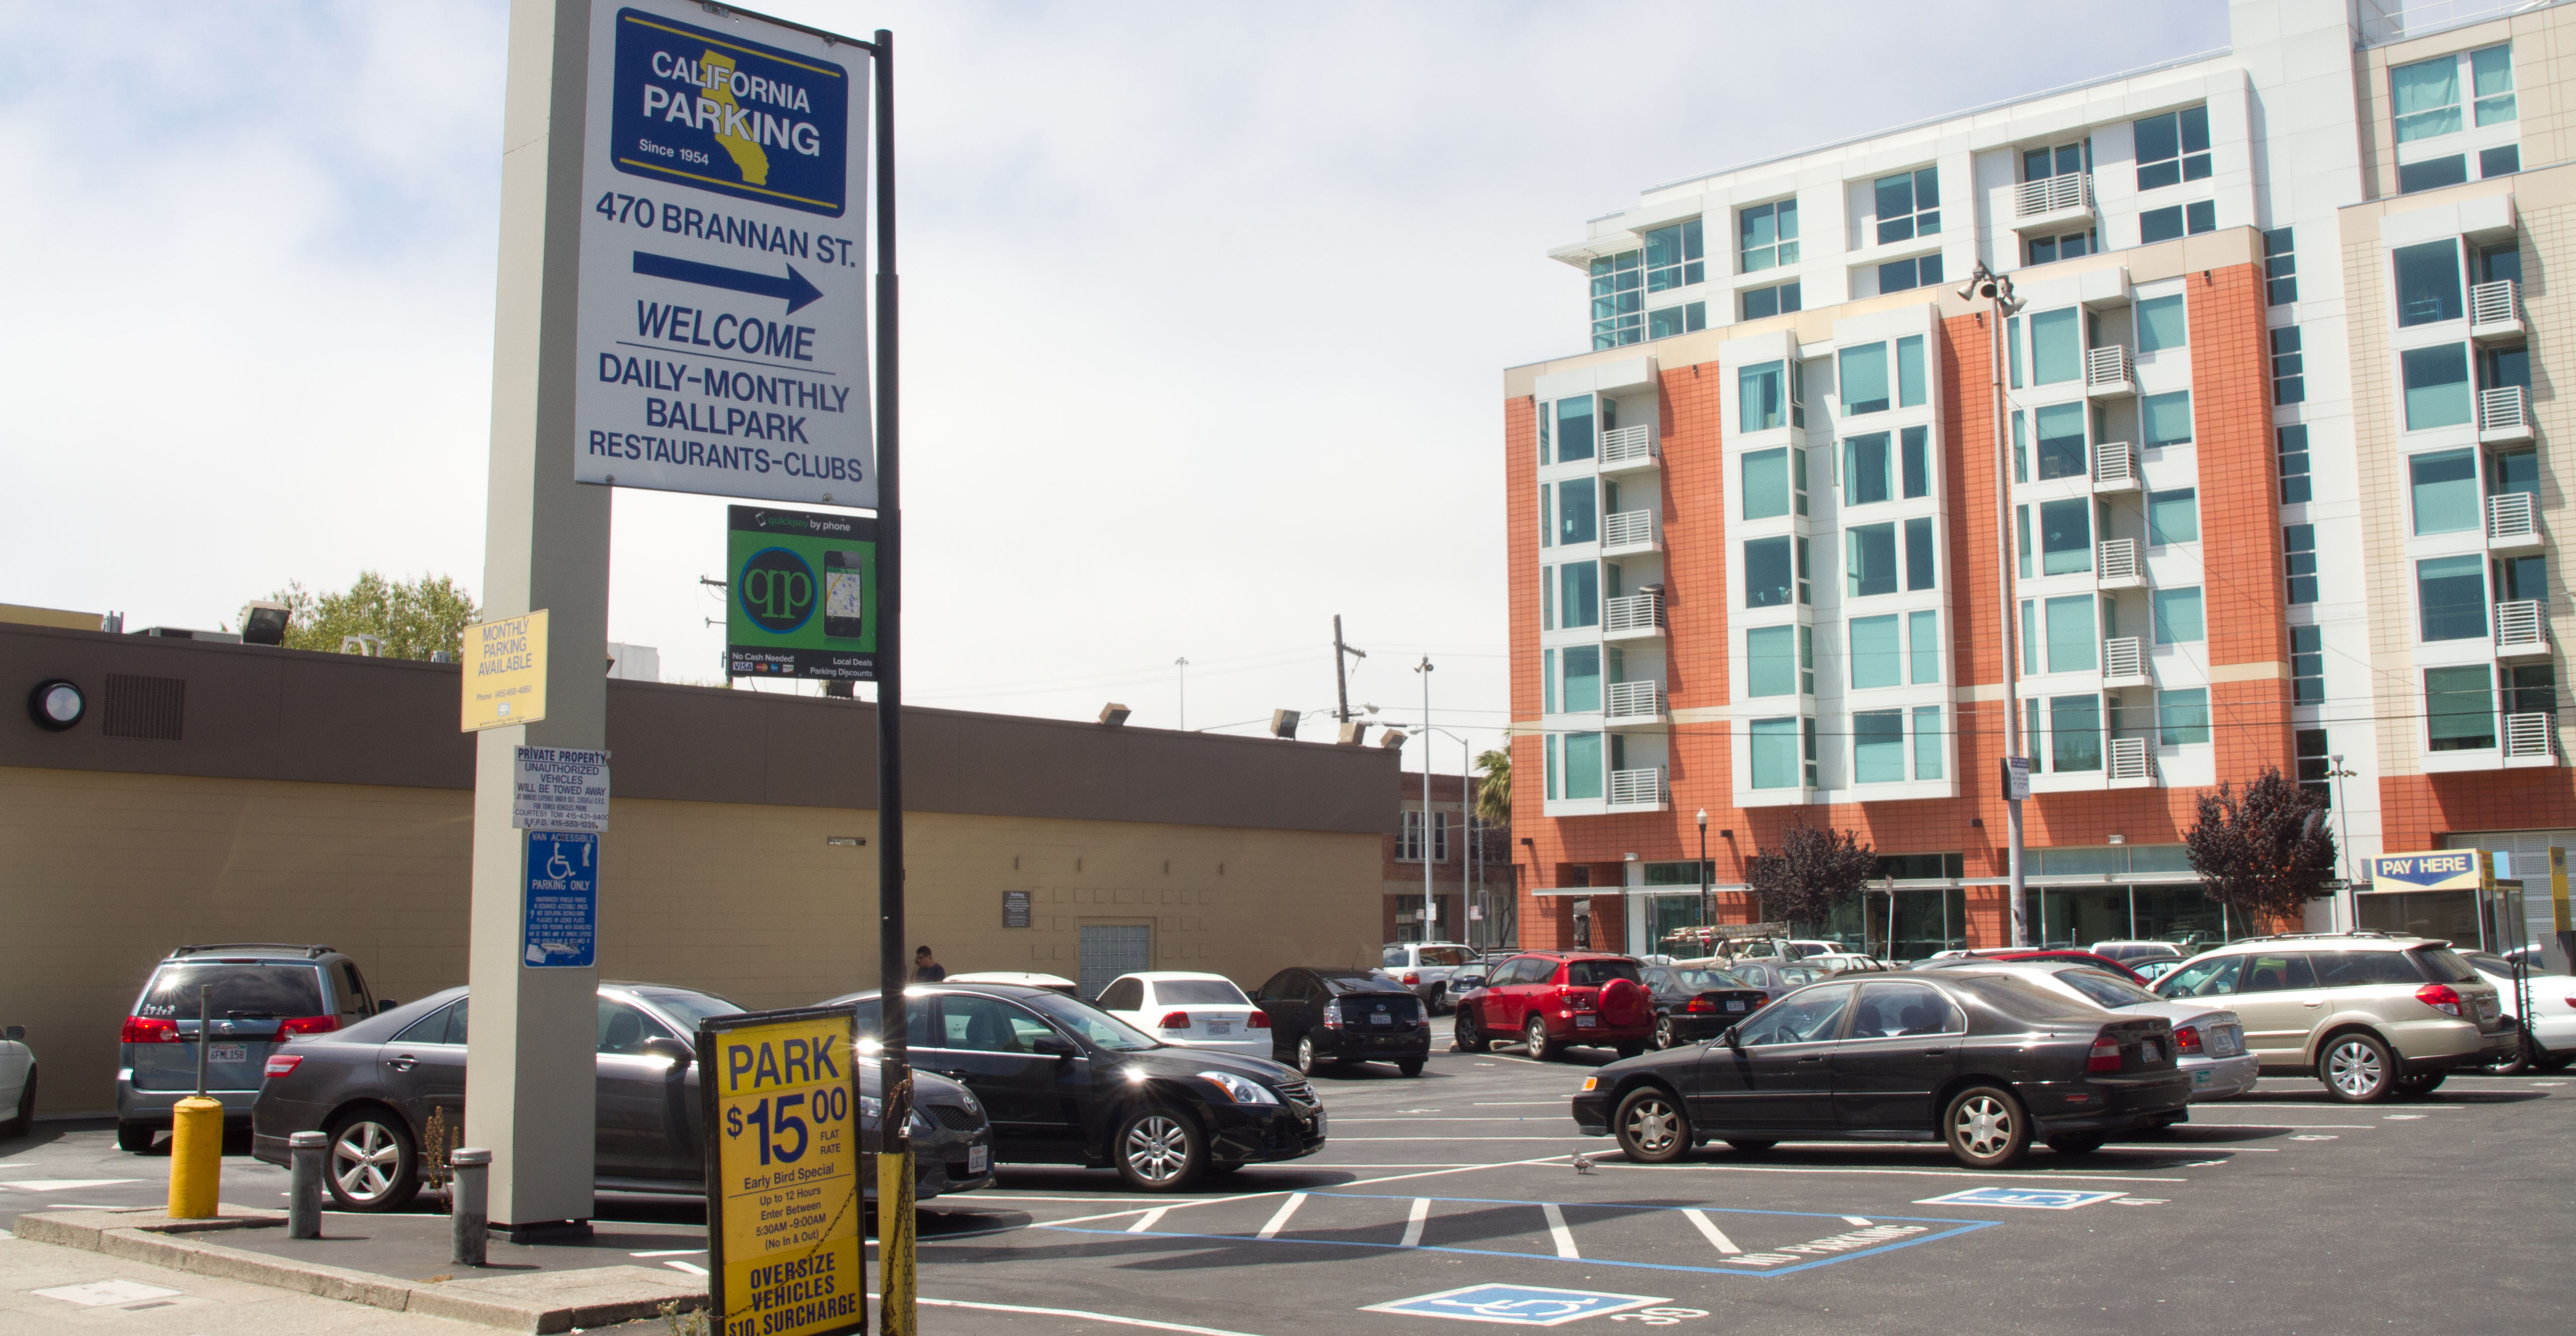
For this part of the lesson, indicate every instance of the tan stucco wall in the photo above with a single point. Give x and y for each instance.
(102, 873)
(2544, 67)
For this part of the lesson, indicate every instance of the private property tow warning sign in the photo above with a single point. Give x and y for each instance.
(559, 788)
(722, 332)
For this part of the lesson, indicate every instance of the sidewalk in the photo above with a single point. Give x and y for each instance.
(46, 1290)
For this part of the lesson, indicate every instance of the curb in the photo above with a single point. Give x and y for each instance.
(539, 1302)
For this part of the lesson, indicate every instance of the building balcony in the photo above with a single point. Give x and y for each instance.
(2513, 520)
(2504, 415)
(1633, 703)
(2530, 740)
(1633, 617)
(2108, 373)
(2116, 565)
(2053, 204)
(1638, 790)
(2522, 629)
(2133, 765)
(2115, 467)
(2124, 663)
(1629, 450)
(1630, 533)
(2495, 312)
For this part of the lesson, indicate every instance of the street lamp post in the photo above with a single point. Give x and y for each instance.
(2002, 303)
(1430, 907)
(1707, 909)
(2337, 772)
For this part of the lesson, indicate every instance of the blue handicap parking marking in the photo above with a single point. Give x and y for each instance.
(2031, 1199)
(1515, 1305)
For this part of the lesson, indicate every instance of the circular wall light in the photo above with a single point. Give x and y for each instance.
(56, 704)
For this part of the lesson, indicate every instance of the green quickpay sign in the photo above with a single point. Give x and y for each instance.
(801, 599)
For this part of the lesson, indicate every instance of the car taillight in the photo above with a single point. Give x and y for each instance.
(1259, 1020)
(281, 1064)
(307, 1025)
(1700, 1004)
(2186, 1039)
(149, 1030)
(2105, 1056)
(1412, 977)
(1332, 1015)
(1174, 1020)
(2440, 997)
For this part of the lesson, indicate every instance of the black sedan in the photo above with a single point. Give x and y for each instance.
(1340, 1016)
(390, 1092)
(1693, 1003)
(1068, 1083)
(1986, 1062)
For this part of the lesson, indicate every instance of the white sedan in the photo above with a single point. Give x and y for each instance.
(17, 1083)
(2550, 1029)
(1189, 1011)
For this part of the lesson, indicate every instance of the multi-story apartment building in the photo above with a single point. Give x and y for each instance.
(2271, 485)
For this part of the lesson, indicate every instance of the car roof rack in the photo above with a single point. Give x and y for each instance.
(2312, 936)
(304, 949)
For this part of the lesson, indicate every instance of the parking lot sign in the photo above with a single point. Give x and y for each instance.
(801, 598)
(780, 1093)
(560, 911)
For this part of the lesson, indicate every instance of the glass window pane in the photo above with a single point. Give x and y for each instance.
(1871, 560)
(1583, 765)
(1895, 207)
(1923, 632)
(2182, 717)
(1547, 681)
(1760, 398)
(1875, 660)
(1771, 661)
(2166, 418)
(1927, 742)
(2075, 733)
(2446, 490)
(1582, 679)
(2072, 647)
(2060, 428)
(2066, 536)
(1918, 462)
(1573, 429)
(2161, 324)
(2459, 707)
(2437, 386)
(2452, 592)
(1768, 580)
(1864, 384)
(2178, 619)
(2173, 517)
(1920, 572)
(1578, 514)
(1910, 387)
(2491, 71)
(2156, 225)
(1775, 754)
(2158, 140)
(2056, 347)
(2428, 283)
(2432, 173)
(1865, 464)
(1581, 601)
(1766, 483)
(1878, 746)
(2426, 98)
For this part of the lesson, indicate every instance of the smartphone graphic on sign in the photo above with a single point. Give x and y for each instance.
(845, 594)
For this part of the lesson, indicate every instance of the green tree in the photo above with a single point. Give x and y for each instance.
(1813, 872)
(2263, 852)
(410, 620)
(1494, 795)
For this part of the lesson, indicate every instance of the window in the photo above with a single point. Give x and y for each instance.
(2521, 578)
(2182, 717)
(2176, 220)
(2299, 558)
(2491, 75)
(1927, 742)
(2162, 324)
(2307, 665)
(1546, 417)
(2071, 645)
(1547, 598)
(2503, 161)
(2531, 689)
(2293, 442)
(2048, 250)
(1920, 572)
(2173, 517)
(1878, 746)
(2459, 708)
(1767, 578)
(2437, 385)
(1779, 299)
(1766, 236)
(1916, 442)
(2165, 419)
(1901, 275)
(2029, 638)
(1876, 660)
(2451, 597)
(1671, 320)
(2021, 448)
(1775, 754)
(2428, 283)
(1865, 469)
(2445, 484)
(2021, 521)
(1806, 594)
(2177, 616)
(1771, 661)
(2056, 347)
(1583, 765)
(1546, 522)
(1573, 429)
(2515, 471)
(2316, 763)
(2426, 98)
(2065, 536)
(1766, 483)
(1618, 299)
(2039, 164)
(2060, 428)
(1550, 753)
(1871, 560)
(1673, 256)
(2012, 348)
(1581, 596)
(1578, 516)
(2289, 367)
(1910, 389)
(1761, 397)
(2432, 173)
(2280, 268)
(2075, 733)
(2173, 148)
(1923, 636)
(1909, 206)
(1408, 843)
(1547, 681)
(1582, 679)
(1864, 383)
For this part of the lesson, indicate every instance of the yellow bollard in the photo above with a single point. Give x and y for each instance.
(196, 1157)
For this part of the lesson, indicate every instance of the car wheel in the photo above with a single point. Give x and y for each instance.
(136, 1137)
(1305, 1055)
(2076, 1145)
(1751, 1145)
(1664, 1035)
(1465, 1036)
(1651, 1126)
(1438, 1001)
(1540, 1050)
(2415, 1086)
(1987, 1128)
(372, 1165)
(2356, 1068)
(25, 1122)
(1410, 1066)
(1159, 1149)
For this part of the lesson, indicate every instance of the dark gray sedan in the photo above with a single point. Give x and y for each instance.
(390, 1092)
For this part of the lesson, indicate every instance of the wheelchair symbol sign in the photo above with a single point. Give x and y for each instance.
(1515, 1305)
(560, 906)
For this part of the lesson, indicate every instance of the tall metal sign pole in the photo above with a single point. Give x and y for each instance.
(2014, 769)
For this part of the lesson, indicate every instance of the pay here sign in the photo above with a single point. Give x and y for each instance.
(784, 1201)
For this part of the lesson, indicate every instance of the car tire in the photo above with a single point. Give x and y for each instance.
(1541, 1048)
(2416, 1087)
(2356, 1068)
(1665, 1035)
(372, 1164)
(1651, 1126)
(2076, 1145)
(1159, 1148)
(1750, 1145)
(1305, 1063)
(1433, 1005)
(1987, 1128)
(1410, 1066)
(136, 1137)
(1466, 1036)
(25, 1120)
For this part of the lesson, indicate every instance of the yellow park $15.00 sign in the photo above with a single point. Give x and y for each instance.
(784, 1173)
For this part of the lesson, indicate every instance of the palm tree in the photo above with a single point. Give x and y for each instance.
(1494, 796)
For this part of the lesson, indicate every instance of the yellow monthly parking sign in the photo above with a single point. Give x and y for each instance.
(784, 1204)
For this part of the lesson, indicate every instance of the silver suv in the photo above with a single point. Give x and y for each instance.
(2368, 1014)
(255, 996)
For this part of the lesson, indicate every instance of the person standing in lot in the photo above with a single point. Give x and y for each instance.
(924, 968)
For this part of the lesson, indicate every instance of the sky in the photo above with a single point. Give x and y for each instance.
(1206, 310)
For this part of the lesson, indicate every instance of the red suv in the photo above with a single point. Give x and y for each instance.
(1555, 998)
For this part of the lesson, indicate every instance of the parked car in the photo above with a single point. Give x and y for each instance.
(1189, 1011)
(2064, 954)
(1772, 977)
(257, 996)
(1555, 998)
(1052, 983)
(2367, 1014)
(17, 1082)
(2152, 970)
(1693, 1004)
(2549, 1028)
(2209, 1040)
(1424, 968)
(388, 1088)
(2133, 954)
(1068, 1083)
(1839, 962)
(1984, 1061)
(1335, 1016)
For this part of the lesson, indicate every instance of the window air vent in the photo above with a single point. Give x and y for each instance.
(151, 708)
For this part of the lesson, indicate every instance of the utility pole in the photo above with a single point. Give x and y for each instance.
(1184, 666)
(2002, 303)
(1341, 673)
(1430, 907)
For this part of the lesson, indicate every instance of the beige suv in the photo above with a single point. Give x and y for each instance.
(2366, 1013)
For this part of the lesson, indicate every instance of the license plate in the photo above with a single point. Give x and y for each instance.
(2148, 1052)
(978, 1159)
(1586, 1022)
(228, 1053)
(2486, 1009)
(2200, 1078)
(1735, 1006)
(1319, 1122)
(1220, 1027)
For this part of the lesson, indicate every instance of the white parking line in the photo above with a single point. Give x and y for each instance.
(2269, 1104)
(1413, 1223)
(1857, 1221)
(2290, 1127)
(1357, 1182)
(1556, 1228)
(691, 1267)
(1708, 1230)
(1148, 1220)
(1519, 1103)
(1555, 1138)
(1280, 1220)
(2046, 1177)
(669, 1252)
(1112, 1318)
(1455, 1118)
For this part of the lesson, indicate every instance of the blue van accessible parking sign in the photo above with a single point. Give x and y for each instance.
(561, 905)
(1515, 1305)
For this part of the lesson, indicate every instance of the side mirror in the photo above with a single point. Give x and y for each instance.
(1734, 1036)
(385, 1004)
(678, 1051)
(14, 1032)
(1052, 1045)
(1255, 995)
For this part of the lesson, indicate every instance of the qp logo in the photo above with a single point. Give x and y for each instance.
(776, 589)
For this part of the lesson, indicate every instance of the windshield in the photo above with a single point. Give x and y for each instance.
(690, 1008)
(1704, 980)
(1446, 955)
(1094, 1025)
(1198, 992)
(235, 991)
(1594, 973)
(2105, 990)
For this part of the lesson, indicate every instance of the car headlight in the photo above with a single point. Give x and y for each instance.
(1238, 1089)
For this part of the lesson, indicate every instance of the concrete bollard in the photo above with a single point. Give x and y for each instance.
(196, 1157)
(469, 1201)
(305, 1151)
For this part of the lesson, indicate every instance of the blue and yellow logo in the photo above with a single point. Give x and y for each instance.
(716, 113)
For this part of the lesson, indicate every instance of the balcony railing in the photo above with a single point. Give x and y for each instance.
(2055, 194)
(2115, 466)
(2502, 409)
(1636, 700)
(1634, 612)
(2117, 562)
(2496, 305)
(1629, 528)
(2131, 761)
(2124, 656)
(2106, 370)
(1629, 445)
(2530, 735)
(1637, 788)
(2511, 518)
(2521, 627)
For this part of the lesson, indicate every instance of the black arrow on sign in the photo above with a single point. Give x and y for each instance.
(793, 289)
